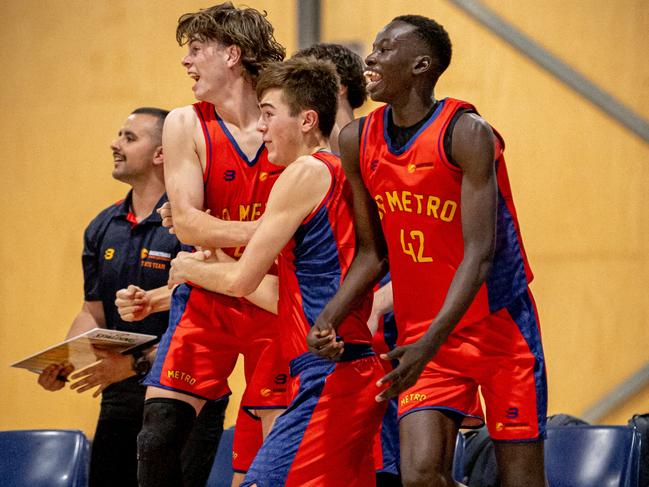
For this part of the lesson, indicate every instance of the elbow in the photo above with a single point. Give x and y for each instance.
(484, 268)
(484, 263)
(241, 287)
(183, 229)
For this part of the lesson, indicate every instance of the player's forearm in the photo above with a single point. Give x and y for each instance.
(267, 294)
(383, 300)
(365, 271)
(160, 299)
(199, 229)
(90, 316)
(224, 278)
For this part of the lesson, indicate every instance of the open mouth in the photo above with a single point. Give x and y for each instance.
(372, 77)
(117, 157)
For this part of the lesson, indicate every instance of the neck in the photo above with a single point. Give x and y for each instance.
(236, 103)
(410, 109)
(145, 196)
(344, 115)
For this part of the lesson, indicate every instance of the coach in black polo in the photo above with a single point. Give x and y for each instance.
(126, 245)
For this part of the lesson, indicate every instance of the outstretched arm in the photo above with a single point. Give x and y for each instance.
(370, 262)
(473, 151)
(184, 145)
(296, 193)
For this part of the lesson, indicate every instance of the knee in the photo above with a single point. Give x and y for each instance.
(165, 422)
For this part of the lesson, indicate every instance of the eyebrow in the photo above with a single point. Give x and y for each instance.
(126, 132)
(266, 104)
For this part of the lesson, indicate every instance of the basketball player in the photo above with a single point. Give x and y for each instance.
(431, 191)
(215, 160)
(308, 225)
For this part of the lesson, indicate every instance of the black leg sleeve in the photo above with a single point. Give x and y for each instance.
(200, 448)
(167, 425)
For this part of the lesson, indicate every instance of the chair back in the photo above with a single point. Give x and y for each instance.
(44, 458)
(589, 456)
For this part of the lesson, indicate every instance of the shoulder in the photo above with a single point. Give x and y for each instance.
(304, 179)
(103, 219)
(472, 126)
(305, 168)
(473, 139)
(350, 132)
(183, 118)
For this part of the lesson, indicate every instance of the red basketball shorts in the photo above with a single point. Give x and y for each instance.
(325, 437)
(206, 334)
(503, 356)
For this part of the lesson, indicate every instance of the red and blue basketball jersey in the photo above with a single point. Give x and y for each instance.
(236, 188)
(313, 264)
(417, 193)
(303, 449)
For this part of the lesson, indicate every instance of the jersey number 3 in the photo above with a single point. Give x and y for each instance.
(416, 240)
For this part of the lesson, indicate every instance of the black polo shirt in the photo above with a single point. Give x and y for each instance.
(118, 252)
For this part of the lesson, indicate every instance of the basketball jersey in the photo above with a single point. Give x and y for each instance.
(236, 188)
(417, 192)
(313, 264)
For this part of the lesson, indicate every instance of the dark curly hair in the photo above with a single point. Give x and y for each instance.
(244, 27)
(349, 67)
(306, 84)
(435, 38)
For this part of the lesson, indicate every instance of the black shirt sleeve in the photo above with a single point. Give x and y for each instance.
(90, 258)
(448, 135)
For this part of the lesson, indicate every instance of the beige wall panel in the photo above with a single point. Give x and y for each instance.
(604, 40)
(578, 177)
(74, 71)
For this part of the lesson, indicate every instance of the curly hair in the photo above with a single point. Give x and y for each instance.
(435, 38)
(247, 28)
(349, 67)
(306, 84)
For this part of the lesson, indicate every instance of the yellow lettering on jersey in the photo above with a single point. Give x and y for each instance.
(181, 376)
(432, 206)
(109, 253)
(412, 397)
(448, 211)
(238, 251)
(225, 214)
(393, 199)
(418, 197)
(244, 212)
(408, 250)
(417, 238)
(144, 253)
(420, 204)
(405, 199)
(379, 204)
(250, 212)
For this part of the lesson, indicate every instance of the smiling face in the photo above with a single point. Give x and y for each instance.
(281, 132)
(206, 63)
(391, 63)
(135, 147)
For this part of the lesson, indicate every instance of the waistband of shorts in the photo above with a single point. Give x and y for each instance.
(352, 351)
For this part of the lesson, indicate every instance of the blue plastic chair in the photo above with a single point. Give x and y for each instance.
(44, 458)
(592, 456)
(458, 458)
(221, 473)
